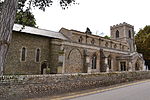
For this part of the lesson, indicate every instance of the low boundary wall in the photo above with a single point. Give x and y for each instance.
(28, 86)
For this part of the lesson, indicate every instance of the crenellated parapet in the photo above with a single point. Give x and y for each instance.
(123, 32)
(120, 25)
(94, 40)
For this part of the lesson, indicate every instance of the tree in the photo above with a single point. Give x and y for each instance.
(142, 40)
(7, 19)
(0, 7)
(107, 37)
(23, 15)
(25, 18)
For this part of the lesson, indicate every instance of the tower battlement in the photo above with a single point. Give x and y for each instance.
(123, 32)
(120, 25)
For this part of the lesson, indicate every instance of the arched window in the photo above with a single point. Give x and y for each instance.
(94, 59)
(129, 34)
(23, 54)
(115, 46)
(106, 44)
(37, 59)
(109, 61)
(117, 34)
(92, 41)
(80, 39)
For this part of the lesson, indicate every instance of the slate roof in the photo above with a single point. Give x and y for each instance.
(37, 31)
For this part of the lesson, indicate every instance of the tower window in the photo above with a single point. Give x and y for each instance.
(117, 34)
(23, 54)
(37, 59)
(129, 34)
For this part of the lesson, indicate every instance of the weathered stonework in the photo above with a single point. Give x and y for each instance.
(14, 64)
(19, 87)
(74, 60)
(71, 51)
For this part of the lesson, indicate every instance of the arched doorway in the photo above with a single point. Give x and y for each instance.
(43, 66)
(109, 62)
(137, 66)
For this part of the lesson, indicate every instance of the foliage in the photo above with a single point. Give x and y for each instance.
(65, 3)
(47, 70)
(25, 18)
(24, 15)
(42, 4)
(142, 40)
(106, 37)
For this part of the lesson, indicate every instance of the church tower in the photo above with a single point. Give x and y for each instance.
(125, 33)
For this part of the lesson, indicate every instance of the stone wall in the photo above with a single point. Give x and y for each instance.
(94, 40)
(27, 86)
(14, 65)
(74, 59)
(55, 52)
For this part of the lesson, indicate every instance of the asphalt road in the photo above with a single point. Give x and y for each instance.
(139, 91)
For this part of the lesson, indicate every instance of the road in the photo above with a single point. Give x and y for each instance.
(138, 91)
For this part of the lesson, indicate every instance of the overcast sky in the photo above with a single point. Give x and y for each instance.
(98, 15)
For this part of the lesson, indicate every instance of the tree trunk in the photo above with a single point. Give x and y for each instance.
(7, 19)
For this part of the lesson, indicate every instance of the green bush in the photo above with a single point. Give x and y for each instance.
(47, 70)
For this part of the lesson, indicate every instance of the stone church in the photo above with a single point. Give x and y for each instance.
(39, 51)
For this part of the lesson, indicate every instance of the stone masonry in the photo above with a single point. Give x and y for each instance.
(19, 87)
(37, 51)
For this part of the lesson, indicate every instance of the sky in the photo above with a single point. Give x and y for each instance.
(98, 15)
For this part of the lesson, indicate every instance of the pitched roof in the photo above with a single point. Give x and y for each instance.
(37, 31)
